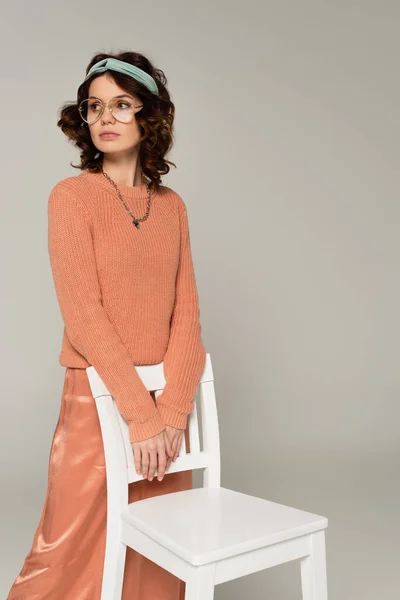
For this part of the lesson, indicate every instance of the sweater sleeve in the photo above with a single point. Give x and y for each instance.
(73, 264)
(184, 359)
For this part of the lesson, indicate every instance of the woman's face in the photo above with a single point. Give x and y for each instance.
(104, 88)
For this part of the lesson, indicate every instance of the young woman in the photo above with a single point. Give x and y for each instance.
(120, 255)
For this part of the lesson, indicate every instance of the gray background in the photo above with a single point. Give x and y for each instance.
(287, 146)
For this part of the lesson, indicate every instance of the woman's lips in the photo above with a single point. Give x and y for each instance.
(109, 135)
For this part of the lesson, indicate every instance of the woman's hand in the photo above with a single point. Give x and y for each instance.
(151, 454)
(173, 441)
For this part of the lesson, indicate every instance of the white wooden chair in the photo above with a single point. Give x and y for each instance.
(204, 536)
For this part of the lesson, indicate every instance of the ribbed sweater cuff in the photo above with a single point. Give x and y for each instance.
(142, 431)
(171, 417)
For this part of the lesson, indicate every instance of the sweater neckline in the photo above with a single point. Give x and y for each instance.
(130, 192)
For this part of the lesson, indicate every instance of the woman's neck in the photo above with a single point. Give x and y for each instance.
(129, 175)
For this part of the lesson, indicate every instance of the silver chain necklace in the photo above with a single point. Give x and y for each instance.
(135, 221)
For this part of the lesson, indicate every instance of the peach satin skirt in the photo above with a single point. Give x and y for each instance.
(65, 561)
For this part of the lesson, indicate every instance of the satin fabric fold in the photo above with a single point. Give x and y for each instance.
(66, 558)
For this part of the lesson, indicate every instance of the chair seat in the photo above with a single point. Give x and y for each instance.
(204, 525)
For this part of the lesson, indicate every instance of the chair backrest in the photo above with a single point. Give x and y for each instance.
(118, 449)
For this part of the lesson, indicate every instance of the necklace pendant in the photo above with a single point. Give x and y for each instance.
(136, 223)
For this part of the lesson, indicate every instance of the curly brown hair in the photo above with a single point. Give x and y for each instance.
(155, 119)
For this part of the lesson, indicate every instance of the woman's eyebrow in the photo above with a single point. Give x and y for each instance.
(120, 96)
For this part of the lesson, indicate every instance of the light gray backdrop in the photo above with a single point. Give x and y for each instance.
(287, 146)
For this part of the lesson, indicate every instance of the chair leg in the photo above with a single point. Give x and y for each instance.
(313, 569)
(200, 585)
(113, 572)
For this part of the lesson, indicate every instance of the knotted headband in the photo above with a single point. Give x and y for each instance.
(127, 69)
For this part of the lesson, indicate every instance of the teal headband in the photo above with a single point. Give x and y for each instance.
(127, 69)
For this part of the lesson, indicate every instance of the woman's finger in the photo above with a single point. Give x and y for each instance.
(169, 460)
(152, 464)
(145, 462)
(137, 458)
(174, 445)
(178, 447)
(162, 462)
(168, 447)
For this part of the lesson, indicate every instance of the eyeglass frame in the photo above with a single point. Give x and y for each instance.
(103, 105)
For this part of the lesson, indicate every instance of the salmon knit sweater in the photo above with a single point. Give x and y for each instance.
(127, 296)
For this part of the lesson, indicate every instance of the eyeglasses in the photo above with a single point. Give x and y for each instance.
(122, 109)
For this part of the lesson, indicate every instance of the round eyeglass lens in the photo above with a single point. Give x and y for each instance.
(122, 109)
